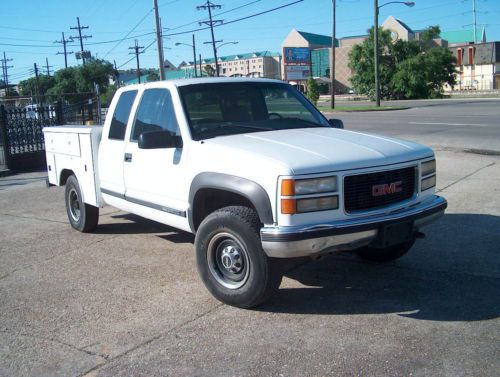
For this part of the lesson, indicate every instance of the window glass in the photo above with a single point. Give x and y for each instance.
(121, 115)
(231, 108)
(155, 113)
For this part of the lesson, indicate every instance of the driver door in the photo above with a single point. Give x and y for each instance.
(154, 177)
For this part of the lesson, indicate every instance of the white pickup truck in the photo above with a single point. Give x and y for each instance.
(251, 168)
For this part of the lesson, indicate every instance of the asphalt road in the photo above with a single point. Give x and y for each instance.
(127, 300)
(456, 124)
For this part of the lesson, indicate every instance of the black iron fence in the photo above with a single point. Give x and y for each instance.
(21, 138)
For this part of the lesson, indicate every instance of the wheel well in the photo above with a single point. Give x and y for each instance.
(65, 174)
(209, 200)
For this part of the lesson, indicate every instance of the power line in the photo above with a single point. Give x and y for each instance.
(236, 20)
(119, 41)
(81, 38)
(215, 15)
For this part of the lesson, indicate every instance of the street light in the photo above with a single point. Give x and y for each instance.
(194, 53)
(375, 26)
(217, 48)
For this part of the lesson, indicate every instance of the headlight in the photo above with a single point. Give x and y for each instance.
(427, 183)
(290, 187)
(428, 167)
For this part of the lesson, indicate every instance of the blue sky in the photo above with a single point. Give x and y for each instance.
(29, 27)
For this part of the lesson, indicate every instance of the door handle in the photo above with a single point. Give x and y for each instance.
(128, 157)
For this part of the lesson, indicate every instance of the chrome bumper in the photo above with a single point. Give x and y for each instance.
(348, 234)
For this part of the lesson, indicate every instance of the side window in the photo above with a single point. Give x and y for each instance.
(155, 113)
(121, 114)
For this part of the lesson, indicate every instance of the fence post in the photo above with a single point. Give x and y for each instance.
(59, 113)
(4, 136)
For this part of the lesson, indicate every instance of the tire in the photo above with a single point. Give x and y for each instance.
(82, 217)
(230, 259)
(386, 254)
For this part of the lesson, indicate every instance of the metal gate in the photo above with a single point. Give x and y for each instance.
(22, 145)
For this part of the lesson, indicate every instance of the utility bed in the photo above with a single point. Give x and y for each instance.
(74, 148)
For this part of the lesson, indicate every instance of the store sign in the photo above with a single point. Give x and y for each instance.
(297, 55)
(298, 72)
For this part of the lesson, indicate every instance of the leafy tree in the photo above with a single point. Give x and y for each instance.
(43, 84)
(407, 69)
(312, 91)
(209, 70)
(94, 71)
(153, 76)
(107, 95)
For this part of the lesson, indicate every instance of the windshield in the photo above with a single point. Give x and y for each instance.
(222, 109)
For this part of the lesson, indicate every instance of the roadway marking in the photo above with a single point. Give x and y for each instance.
(451, 124)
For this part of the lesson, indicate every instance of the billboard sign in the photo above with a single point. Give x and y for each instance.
(298, 72)
(297, 55)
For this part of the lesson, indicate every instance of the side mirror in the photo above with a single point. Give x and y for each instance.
(336, 123)
(158, 140)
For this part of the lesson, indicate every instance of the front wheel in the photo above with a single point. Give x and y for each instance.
(386, 254)
(230, 258)
(82, 217)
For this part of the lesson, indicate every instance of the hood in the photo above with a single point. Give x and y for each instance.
(316, 150)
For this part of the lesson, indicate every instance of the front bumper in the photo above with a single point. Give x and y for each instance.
(348, 234)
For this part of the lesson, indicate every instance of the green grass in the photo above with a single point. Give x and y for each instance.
(361, 108)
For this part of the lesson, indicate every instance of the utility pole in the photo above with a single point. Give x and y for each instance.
(117, 75)
(37, 99)
(474, 21)
(5, 69)
(80, 36)
(194, 56)
(332, 68)
(137, 50)
(209, 5)
(375, 54)
(64, 41)
(201, 72)
(159, 41)
(47, 66)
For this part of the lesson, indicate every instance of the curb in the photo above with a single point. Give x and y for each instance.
(365, 110)
(5, 172)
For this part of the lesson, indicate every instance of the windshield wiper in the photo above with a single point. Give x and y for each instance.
(308, 122)
(229, 126)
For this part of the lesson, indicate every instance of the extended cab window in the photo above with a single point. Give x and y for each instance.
(121, 114)
(155, 113)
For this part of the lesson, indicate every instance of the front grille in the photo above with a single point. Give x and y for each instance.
(359, 189)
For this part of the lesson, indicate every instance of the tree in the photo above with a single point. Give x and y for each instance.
(312, 91)
(209, 70)
(38, 86)
(408, 69)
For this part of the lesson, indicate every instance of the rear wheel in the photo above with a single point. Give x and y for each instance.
(230, 258)
(82, 217)
(386, 254)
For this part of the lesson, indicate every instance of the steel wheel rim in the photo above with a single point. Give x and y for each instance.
(74, 205)
(228, 260)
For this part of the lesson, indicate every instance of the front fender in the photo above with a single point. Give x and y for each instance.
(251, 190)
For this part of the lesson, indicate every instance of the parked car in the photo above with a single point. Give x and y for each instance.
(251, 168)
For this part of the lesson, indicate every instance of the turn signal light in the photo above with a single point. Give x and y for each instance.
(288, 187)
(288, 206)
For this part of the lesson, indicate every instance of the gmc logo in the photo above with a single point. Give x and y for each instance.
(387, 188)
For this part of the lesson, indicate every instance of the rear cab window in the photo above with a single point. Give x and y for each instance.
(121, 115)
